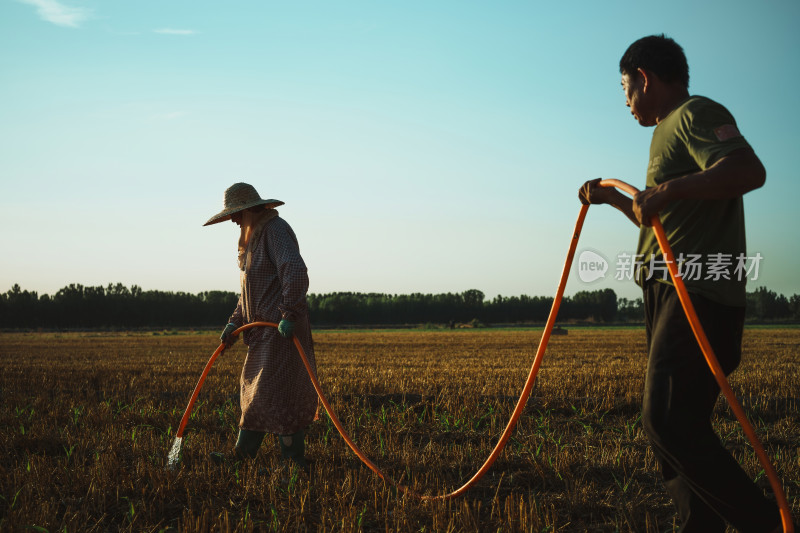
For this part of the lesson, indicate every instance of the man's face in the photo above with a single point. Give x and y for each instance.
(636, 99)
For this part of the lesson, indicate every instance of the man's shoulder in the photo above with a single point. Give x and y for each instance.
(699, 100)
(702, 106)
(703, 118)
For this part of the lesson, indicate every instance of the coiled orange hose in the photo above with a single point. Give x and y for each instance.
(537, 361)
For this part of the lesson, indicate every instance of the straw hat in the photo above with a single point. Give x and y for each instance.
(239, 197)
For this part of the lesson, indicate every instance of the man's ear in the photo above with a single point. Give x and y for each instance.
(646, 79)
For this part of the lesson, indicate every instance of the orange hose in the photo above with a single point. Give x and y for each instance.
(713, 363)
(526, 391)
(182, 426)
(517, 410)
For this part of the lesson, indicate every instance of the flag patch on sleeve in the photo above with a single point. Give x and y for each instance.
(728, 131)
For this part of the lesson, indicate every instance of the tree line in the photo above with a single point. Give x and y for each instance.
(117, 306)
(467, 306)
(114, 306)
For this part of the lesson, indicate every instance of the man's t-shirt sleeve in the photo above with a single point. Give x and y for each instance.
(711, 133)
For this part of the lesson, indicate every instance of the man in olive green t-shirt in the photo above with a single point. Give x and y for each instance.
(700, 166)
(685, 142)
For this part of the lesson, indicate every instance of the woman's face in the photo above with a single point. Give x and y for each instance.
(236, 218)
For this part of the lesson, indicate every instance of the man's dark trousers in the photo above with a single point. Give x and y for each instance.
(706, 483)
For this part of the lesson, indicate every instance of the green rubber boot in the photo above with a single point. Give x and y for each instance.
(248, 443)
(293, 447)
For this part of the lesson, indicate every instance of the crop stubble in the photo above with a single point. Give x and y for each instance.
(86, 421)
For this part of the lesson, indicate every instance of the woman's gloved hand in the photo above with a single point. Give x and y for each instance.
(226, 338)
(286, 328)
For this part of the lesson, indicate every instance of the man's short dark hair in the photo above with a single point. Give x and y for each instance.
(657, 54)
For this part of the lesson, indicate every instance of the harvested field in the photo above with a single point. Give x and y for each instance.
(87, 419)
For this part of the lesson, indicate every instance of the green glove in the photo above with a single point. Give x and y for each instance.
(226, 338)
(286, 328)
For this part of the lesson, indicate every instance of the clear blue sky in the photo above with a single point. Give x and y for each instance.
(419, 146)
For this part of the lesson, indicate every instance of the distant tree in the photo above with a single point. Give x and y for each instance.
(630, 310)
(600, 305)
(794, 306)
(20, 307)
(766, 304)
(473, 298)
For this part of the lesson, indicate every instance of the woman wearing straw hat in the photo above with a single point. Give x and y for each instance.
(277, 395)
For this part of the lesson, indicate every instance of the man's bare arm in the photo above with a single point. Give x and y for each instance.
(731, 176)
